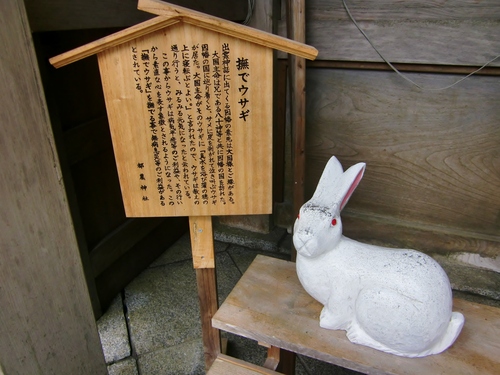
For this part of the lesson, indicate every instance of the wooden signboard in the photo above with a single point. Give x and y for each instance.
(189, 102)
(190, 113)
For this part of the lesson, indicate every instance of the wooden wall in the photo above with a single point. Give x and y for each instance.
(46, 320)
(433, 157)
(451, 32)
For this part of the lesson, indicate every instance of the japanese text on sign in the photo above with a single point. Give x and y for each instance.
(187, 92)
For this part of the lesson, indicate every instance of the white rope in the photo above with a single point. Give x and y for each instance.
(401, 74)
(251, 6)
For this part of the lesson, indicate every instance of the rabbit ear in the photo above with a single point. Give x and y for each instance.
(349, 181)
(332, 174)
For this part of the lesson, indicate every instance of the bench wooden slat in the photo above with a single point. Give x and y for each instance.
(225, 365)
(269, 305)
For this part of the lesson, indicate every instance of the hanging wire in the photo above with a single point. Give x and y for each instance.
(251, 6)
(401, 74)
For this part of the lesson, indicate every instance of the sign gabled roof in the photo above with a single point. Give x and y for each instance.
(173, 14)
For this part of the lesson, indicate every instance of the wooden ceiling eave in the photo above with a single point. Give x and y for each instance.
(170, 15)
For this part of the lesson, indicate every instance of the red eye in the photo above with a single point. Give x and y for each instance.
(334, 222)
(298, 216)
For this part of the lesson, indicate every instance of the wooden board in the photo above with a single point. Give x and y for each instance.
(189, 141)
(285, 315)
(454, 32)
(47, 324)
(432, 157)
(225, 365)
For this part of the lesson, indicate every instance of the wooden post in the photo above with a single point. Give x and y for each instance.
(297, 69)
(46, 321)
(202, 247)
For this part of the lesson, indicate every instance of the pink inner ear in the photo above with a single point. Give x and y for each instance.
(353, 187)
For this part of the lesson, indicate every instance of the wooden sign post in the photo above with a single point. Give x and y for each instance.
(189, 103)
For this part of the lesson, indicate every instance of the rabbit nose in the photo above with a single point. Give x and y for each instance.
(304, 243)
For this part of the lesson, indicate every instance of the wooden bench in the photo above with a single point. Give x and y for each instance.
(269, 305)
(225, 365)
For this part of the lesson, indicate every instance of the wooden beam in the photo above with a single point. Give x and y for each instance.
(47, 323)
(297, 70)
(413, 68)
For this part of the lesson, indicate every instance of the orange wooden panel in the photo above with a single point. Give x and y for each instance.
(190, 113)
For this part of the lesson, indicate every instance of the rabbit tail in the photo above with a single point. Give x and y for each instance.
(454, 328)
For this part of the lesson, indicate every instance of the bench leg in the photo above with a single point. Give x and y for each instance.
(287, 362)
(273, 358)
(280, 360)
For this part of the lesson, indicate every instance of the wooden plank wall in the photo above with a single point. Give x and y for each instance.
(47, 325)
(433, 175)
(432, 158)
(454, 32)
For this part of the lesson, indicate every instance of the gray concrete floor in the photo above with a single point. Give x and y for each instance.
(153, 327)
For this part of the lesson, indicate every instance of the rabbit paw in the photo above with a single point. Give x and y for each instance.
(329, 320)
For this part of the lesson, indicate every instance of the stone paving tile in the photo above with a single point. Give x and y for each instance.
(243, 256)
(128, 366)
(113, 332)
(162, 307)
(183, 359)
(181, 250)
(227, 275)
(245, 349)
(265, 242)
(470, 279)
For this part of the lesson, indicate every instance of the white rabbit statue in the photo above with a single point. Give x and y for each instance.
(394, 300)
